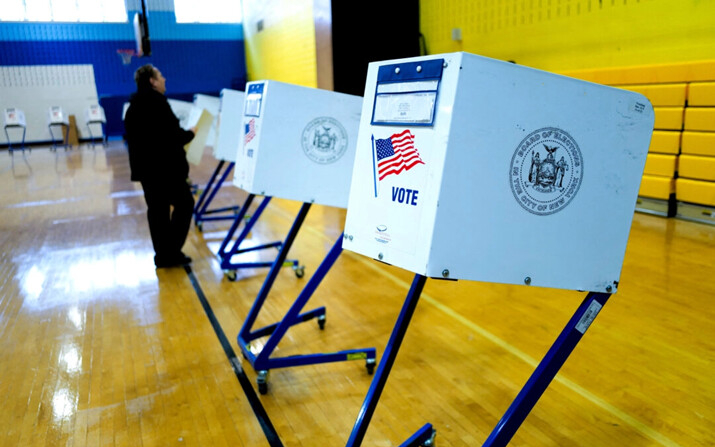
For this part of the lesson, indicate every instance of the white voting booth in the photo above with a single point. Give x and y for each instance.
(477, 169)
(57, 117)
(507, 173)
(189, 115)
(94, 115)
(14, 119)
(229, 125)
(226, 128)
(298, 143)
(212, 105)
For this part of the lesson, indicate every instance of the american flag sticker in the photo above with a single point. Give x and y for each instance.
(394, 155)
(250, 131)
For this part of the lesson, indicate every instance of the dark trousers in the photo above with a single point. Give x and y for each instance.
(168, 227)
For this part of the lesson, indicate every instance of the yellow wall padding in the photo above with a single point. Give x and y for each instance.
(284, 48)
(703, 70)
(697, 167)
(696, 191)
(656, 187)
(665, 142)
(701, 93)
(661, 94)
(698, 143)
(559, 35)
(699, 118)
(661, 164)
(668, 118)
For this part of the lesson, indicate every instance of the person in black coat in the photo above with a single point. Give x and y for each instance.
(157, 159)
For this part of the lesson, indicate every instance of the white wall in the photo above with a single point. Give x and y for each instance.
(35, 88)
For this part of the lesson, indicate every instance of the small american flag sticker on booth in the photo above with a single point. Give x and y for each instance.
(394, 155)
(250, 130)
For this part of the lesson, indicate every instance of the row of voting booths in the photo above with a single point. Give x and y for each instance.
(451, 166)
(57, 121)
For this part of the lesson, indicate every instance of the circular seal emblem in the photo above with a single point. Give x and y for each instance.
(546, 171)
(324, 140)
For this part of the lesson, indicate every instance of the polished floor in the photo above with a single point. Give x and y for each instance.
(98, 348)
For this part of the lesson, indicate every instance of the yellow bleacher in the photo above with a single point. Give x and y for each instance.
(679, 176)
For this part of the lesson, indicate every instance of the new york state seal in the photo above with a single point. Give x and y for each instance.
(324, 140)
(546, 171)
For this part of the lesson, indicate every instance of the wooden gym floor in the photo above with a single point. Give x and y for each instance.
(97, 348)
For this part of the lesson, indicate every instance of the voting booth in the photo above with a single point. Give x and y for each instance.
(471, 168)
(57, 117)
(227, 134)
(212, 105)
(94, 116)
(298, 143)
(229, 125)
(14, 119)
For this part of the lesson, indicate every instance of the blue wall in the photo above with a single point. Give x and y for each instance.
(194, 58)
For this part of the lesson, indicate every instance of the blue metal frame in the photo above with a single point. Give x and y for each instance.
(226, 256)
(201, 211)
(525, 400)
(384, 367)
(104, 133)
(22, 142)
(66, 128)
(547, 369)
(263, 362)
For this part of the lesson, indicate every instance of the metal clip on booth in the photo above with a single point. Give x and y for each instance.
(56, 117)
(549, 156)
(227, 142)
(300, 146)
(15, 119)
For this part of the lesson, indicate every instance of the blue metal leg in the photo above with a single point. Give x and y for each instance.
(201, 209)
(226, 256)
(263, 362)
(198, 208)
(547, 369)
(66, 130)
(236, 223)
(385, 365)
(245, 332)
(9, 143)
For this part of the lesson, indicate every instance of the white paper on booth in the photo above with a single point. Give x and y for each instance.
(195, 148)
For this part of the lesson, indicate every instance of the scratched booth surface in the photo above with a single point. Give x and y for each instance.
(99, 348)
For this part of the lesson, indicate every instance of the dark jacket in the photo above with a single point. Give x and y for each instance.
(155, 139)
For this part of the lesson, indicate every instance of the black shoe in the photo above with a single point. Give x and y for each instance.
(172, 261)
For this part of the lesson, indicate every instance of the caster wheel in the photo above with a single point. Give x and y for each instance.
(262, 382)
(370, 366)
(321, 322)
(230, 275)
(200, 227)
(299, 271)
(430, 441)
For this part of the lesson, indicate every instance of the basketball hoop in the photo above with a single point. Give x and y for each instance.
(126, 55)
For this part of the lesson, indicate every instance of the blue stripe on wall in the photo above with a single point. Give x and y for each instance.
(162, 26)
(200, 66)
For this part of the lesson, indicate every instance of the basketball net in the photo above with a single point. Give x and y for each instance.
(126, 56)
